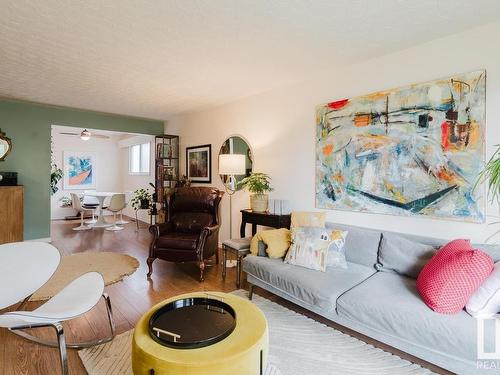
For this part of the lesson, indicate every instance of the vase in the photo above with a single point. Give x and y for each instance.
(259, 202)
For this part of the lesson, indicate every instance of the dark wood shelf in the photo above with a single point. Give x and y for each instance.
(165, 144)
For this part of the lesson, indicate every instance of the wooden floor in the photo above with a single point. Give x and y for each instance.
(130, 298)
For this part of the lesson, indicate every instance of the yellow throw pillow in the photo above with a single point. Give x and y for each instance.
(254, 243)
(308, 219)
(277, 241)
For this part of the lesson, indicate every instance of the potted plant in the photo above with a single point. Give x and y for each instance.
(141, 200)
(183, 182)
(65, 201)
(56, 173)
(258, 184)
(491, 175)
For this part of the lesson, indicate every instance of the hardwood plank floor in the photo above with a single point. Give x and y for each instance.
(130, 299)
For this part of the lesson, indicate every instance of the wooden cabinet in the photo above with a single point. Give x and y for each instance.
(11, 213)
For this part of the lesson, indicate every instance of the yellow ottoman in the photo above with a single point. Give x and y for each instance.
(243, 352)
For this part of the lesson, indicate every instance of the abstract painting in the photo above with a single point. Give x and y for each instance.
(199, 163)
(415, 150)
(79, 170)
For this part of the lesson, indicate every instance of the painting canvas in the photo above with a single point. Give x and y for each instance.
(415, 150)
(198, 163)
(79, 170)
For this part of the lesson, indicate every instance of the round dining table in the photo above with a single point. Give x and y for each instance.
(101, 196)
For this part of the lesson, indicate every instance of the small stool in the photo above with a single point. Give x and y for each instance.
(239, 247)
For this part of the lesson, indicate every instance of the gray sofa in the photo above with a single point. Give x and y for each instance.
(384, 305)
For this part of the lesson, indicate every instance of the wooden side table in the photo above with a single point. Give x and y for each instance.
(262, 218)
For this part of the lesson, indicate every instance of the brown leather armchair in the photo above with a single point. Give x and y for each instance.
(191, 233)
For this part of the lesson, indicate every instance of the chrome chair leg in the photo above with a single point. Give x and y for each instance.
(24, 302)
(109, 311)
(62, 348)
(61, 343)
(81, 345)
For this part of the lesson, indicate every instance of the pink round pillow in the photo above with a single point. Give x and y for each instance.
(453, 274)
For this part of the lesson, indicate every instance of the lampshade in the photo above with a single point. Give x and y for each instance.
(232, 164)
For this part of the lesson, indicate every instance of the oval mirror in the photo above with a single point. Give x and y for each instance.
(235, 161)
(5, 145)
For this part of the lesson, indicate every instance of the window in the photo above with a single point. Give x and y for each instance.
(139, 157)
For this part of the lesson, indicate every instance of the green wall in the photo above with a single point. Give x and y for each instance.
(28, 125)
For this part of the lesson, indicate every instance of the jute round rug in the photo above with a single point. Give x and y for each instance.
(112, 266)
(298, 345)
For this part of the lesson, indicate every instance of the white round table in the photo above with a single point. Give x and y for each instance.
(101, 195)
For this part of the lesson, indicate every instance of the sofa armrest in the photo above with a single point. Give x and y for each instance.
(209, 231)
(209, 238)
(158, 230)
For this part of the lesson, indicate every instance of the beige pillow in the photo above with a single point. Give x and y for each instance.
(308, 219)
(277, 241)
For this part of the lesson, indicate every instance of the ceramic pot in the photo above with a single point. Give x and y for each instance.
(259, 202)
(144, 203)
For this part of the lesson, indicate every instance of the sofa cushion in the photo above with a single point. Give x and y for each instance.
(485, 302)
(401, 255)
(181, 241)
(319, 289)
(390, 304)
(361, 245)
(453, 274)
(315, 248)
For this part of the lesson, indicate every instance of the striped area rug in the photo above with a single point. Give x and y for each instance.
(297, 345)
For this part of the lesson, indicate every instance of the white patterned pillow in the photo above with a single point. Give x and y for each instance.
(336, 252)
(317, 248)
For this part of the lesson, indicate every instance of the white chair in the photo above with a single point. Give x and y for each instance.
(79, 208)
(93, 202)
(116, 204)
(24, 268)
(128, 197)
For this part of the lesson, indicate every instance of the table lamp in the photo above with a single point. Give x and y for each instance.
(231, 165)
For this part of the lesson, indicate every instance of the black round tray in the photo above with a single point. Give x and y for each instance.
(190, 323)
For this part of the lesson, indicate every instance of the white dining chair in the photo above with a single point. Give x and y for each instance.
(24, 268)
(128, 197)
(80, 208)
(116, 204)
(93, 202)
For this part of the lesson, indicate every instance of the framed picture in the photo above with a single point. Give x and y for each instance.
(413, 151)
(79, 170)
(164, 151)
(166, 172)
(199, 163)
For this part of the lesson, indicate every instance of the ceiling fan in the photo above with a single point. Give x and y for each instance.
(85, 135)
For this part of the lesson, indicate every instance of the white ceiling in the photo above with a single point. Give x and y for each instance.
(156, 58)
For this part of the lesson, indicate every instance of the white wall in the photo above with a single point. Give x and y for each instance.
(134, 182)
(108, 175)
(280, 125)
